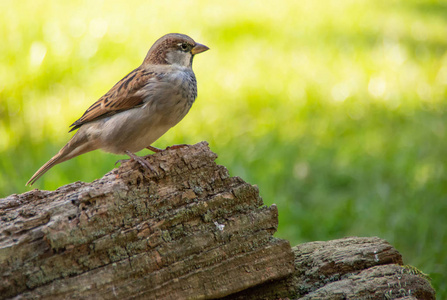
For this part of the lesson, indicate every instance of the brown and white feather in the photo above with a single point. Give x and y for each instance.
(122, 96)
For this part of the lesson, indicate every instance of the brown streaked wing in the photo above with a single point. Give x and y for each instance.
(122, 96)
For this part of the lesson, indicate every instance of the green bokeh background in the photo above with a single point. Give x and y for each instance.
(335, 109)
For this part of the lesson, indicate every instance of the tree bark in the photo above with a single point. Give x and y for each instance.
(184, 230)
(349, 268)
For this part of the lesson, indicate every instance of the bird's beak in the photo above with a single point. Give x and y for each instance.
(198, 48)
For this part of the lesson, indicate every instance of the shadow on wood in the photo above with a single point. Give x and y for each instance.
(186, 230)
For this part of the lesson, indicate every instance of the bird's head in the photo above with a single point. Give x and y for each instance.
(174, 48)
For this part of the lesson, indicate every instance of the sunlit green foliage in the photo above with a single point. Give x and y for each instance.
(335, 109)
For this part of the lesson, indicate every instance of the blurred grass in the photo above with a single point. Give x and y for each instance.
(336, 109)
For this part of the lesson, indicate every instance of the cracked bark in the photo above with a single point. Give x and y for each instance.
(186, 230)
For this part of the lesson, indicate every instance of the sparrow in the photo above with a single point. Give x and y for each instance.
(140, 108)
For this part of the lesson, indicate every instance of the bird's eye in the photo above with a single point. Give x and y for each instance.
(184, 46)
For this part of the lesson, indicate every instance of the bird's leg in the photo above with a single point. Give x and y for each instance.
(142, 161)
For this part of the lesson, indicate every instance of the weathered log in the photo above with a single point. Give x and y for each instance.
(185, 230)
(349, 268)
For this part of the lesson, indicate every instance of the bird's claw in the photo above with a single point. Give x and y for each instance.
(141, 161)
(173, 147)
(154, 149)
(121, 161)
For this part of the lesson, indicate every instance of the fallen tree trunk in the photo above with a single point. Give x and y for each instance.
(349, 268)
(186, 230)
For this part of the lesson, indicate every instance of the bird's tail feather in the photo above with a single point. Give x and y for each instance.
(48, 165)
(76, 146)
